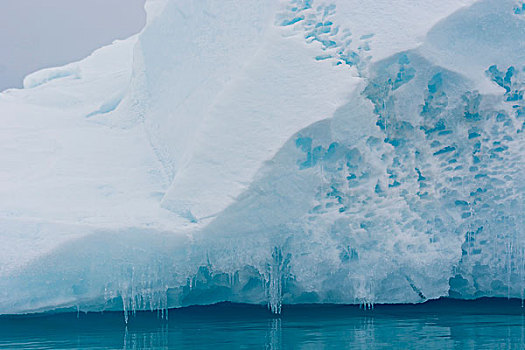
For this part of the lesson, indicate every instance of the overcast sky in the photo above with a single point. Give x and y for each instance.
(36, 34)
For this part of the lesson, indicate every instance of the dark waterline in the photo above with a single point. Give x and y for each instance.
(441, 324)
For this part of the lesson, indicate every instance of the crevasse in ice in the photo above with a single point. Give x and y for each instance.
(276, 152)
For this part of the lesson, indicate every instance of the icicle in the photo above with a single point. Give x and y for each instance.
(165, 302)
(274, 288)
(366, 305)
(369, 305)
(125, 308)
(509, 266)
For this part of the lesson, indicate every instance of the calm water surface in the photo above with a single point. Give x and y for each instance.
(442, 324)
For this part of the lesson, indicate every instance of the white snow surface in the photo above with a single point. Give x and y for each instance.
(271, 152)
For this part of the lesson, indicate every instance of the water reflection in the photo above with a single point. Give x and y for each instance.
(444, 324)
(274, 334)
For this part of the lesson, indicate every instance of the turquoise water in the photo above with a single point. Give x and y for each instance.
(441, 324)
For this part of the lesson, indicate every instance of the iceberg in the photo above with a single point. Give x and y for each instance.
(278, 152)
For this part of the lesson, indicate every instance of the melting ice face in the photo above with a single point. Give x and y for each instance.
(317, 173)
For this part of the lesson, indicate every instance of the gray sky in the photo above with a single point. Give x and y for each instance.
(36, 34)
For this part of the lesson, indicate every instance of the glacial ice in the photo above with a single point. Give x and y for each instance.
(292, 151)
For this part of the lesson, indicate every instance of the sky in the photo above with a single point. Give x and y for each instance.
(36, 34)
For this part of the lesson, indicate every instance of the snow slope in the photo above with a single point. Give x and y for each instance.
(275, 152)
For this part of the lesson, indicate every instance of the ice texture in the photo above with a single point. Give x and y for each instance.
(277, 152)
